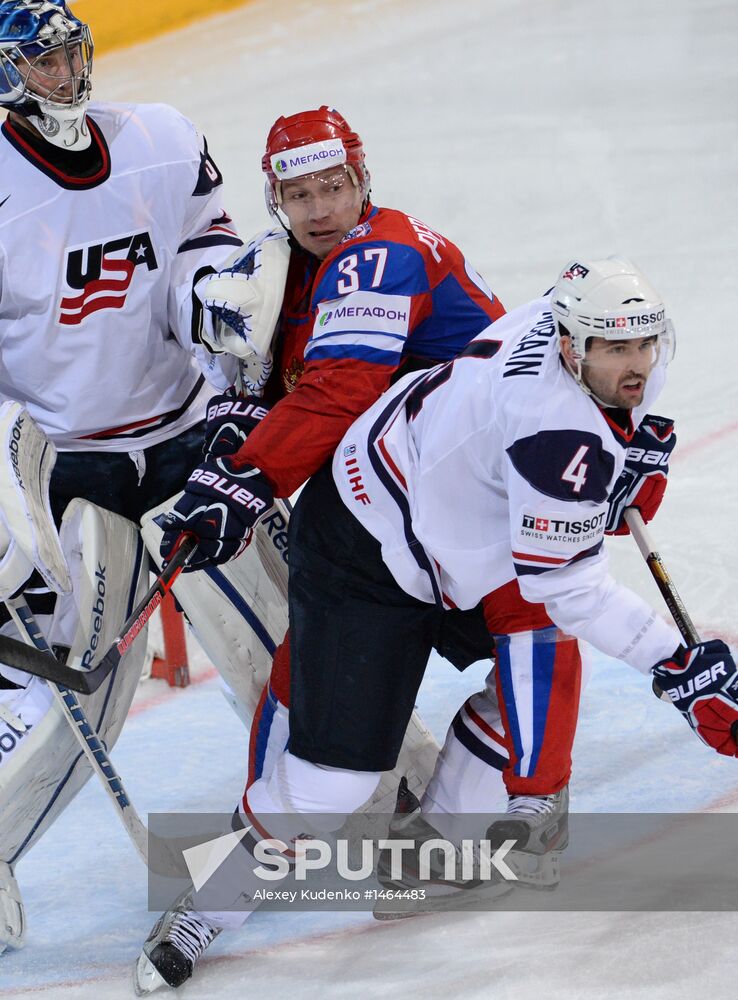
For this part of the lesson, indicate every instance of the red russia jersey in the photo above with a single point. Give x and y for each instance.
(391, 293)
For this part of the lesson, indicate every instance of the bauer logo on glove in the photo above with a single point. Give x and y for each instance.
(642, 483)
(230, 420)
(702, 682)
(226, 486)
(220, 506)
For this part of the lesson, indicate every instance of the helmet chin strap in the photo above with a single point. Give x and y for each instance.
(65, 128)
(576, 374)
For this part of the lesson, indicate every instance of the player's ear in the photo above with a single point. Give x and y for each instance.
(565, 345)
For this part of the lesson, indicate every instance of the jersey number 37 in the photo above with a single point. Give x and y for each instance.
(348, 266)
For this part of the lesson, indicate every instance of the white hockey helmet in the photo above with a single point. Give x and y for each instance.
(612, 299)
(45, 68)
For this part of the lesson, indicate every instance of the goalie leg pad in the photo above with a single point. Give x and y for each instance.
(47, 768)
(12, 913)
(29, 535)
(238, 611)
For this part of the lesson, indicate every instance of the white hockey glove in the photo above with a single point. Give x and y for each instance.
(245, 300)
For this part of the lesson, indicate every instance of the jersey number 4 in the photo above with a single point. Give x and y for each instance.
(348, 267)
(576, 471)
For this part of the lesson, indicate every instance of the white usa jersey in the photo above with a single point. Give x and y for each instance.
(99, 328)
(495, 467)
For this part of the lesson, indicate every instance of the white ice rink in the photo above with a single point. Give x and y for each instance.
(530, 132)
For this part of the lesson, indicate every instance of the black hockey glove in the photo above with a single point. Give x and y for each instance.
(702, 682)
(642, 483)
(220, 507)
(230, 420)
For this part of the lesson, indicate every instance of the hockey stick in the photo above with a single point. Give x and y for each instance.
(674, 603)
(87, 738)
(44, 664)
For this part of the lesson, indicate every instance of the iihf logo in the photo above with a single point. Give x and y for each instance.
(117, 260)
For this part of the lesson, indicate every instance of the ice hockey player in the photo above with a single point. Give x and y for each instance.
(492, 469)
(331, 279)
(108, 215)
(368, 293)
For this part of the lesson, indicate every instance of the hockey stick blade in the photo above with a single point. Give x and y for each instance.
(17, 654)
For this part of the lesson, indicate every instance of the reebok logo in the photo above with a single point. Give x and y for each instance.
(13, 447)
(98, 614)
(10, 738)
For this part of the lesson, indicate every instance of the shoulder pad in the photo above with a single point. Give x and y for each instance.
(566, 464)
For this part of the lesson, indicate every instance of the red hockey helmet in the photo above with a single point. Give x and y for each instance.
(308, 142)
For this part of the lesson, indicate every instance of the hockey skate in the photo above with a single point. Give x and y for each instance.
(12, 913)
(408, 895)
(177, 940)
(540, 826)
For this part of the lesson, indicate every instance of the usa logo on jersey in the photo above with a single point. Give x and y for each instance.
(576, 271)
(100, 275)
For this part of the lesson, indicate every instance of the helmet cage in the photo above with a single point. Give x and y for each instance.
(28, 35)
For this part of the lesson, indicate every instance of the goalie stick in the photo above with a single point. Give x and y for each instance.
(44, 664)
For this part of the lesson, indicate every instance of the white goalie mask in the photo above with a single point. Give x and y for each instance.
(45, 69)
(610, 299)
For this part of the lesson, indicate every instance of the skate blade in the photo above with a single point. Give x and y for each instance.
(146, 979)
(401, 909)
(540, 872)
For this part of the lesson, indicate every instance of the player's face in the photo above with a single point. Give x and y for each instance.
(52, 74)
(321, 208)
(617, 370)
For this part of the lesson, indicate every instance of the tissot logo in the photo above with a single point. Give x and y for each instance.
(563, 526)
(101, 275)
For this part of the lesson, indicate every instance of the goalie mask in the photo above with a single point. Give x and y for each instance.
(609, 299)
(45, 67)
(307, 143)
